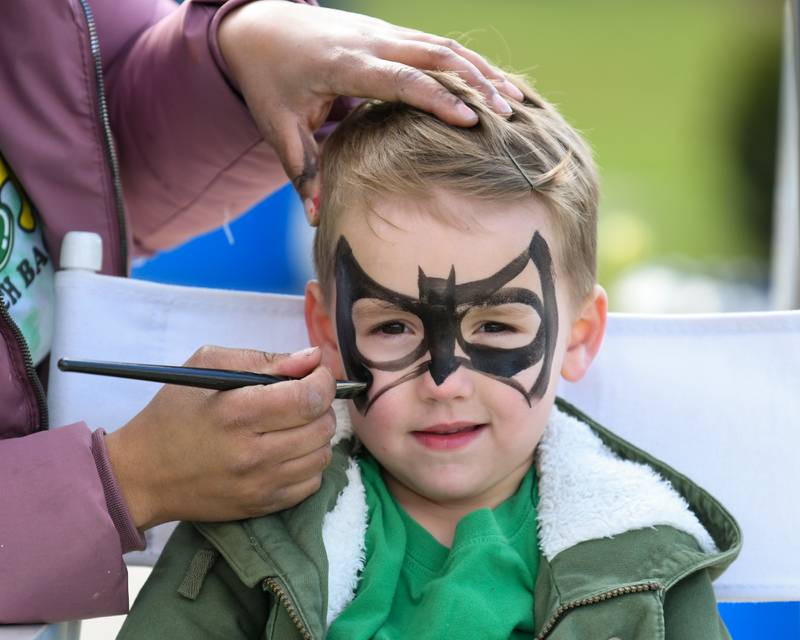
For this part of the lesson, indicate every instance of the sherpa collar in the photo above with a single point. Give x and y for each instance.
(586, 492)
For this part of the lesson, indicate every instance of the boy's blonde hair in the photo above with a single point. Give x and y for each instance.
(392, 149)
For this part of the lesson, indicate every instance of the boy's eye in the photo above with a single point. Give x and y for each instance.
(494, 327)
(503, 326)
(390, 328)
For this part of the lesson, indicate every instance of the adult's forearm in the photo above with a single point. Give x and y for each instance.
(190, 153)
(60, 550)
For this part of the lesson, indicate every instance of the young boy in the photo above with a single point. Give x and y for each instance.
(457, 278)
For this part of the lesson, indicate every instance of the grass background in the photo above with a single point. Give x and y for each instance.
(678, 100)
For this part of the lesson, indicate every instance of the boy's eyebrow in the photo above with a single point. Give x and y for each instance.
(503, 308)
(375, 305)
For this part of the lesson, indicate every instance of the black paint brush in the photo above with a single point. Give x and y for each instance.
(217, 379)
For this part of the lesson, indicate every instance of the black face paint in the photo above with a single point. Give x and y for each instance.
(310, 152)
(441, 307)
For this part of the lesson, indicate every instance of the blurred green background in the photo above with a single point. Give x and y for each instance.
(678, 99)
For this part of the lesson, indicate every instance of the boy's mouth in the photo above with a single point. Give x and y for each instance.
(450, 435)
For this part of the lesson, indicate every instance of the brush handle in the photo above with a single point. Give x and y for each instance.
(217, 379)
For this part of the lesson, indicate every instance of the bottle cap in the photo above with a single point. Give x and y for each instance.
(82, 250)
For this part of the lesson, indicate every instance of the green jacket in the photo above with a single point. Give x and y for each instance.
(629, 557)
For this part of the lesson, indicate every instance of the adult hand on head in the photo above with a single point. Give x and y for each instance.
(291, 61)
(194, 454)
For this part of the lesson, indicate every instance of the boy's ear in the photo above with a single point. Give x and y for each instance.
(586, 335)
(321, 328)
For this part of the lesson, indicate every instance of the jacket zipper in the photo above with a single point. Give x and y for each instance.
(108, 138)
(30, 370)
(272, 585)
(614, 593)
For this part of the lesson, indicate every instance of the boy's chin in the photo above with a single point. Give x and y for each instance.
(462, 489)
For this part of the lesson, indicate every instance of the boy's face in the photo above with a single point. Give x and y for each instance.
(460, 332)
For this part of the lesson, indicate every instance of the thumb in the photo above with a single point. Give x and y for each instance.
(294, 365)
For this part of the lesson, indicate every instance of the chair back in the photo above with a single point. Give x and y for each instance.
(717, 397)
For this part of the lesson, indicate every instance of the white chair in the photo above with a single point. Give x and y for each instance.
(715, 396)
(119, 319)
(718, 397)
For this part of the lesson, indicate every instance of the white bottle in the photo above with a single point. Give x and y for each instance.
(82, 250)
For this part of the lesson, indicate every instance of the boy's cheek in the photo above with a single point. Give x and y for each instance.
(560, 352)
(508, 406)
(390, 409)
(366, 429)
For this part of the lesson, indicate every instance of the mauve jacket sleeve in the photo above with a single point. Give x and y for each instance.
(190, 154)
(61, 540)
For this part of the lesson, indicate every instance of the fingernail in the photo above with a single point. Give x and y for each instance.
(306, 353)
(311, 211)
(500, 105)
(465, 112)
(512, 90)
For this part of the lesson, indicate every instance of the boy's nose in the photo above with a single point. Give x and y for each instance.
(445, 381)
(441, 368)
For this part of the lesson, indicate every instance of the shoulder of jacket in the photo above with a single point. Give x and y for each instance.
(269, 545)
(615, 521)
(594, 485)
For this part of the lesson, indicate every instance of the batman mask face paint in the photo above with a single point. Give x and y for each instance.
(434, 331)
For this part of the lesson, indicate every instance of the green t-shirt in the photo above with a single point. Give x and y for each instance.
(414, 587)
(26, 271)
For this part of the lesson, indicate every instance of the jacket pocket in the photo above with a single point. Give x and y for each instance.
(634, 616)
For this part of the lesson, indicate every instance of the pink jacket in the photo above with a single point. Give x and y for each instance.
(146, 147)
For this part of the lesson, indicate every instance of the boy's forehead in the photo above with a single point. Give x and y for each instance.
(395, 238)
